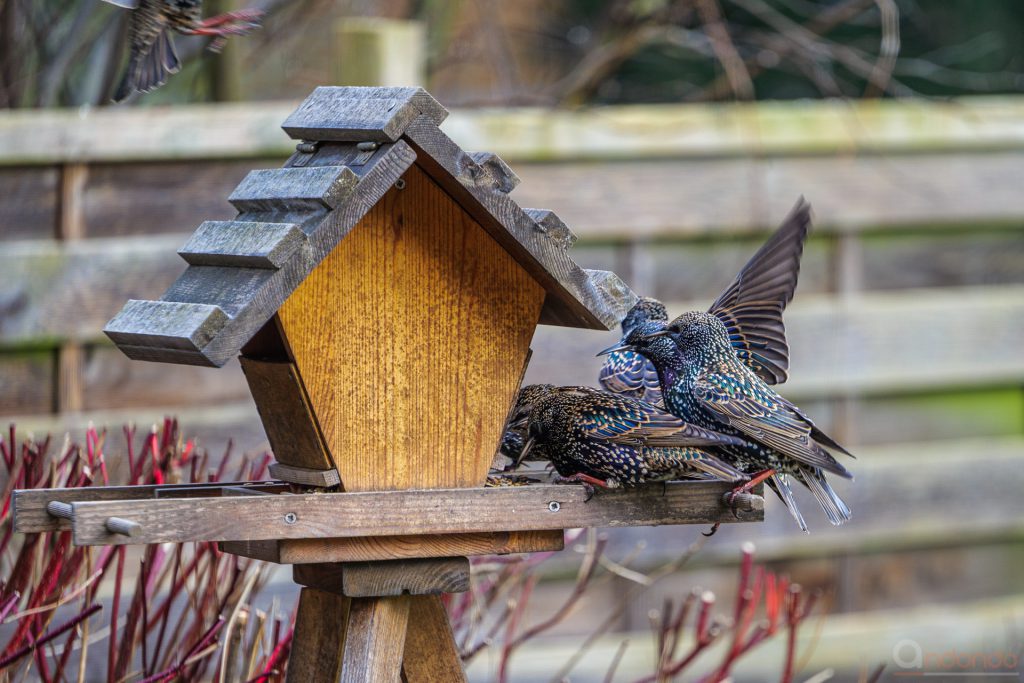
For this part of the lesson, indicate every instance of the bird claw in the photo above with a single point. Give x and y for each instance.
(711, 532)
(589, 484)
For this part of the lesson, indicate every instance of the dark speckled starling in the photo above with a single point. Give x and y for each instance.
(514, 438)
(714, 372)
(151, 51)
(607, 440)
(626, 372)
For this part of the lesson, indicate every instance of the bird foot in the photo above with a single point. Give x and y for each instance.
(734, 497)
(588, 482)
(711, 532)
(221, 26)
(248, 16)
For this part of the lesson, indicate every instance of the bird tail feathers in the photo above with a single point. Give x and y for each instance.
(780, 484)
(831, 503)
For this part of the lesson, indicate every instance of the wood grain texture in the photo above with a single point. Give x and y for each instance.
(502, 176)
(356, 113)
(244, 244)
(304, 475)
(420, 576)
(311, 550)
(30, 514)
(409, 338)
(294, 189)
(375, 639)
(285, 411)
(396, 513)
(320, 626)
(430, 651)
(572, 299)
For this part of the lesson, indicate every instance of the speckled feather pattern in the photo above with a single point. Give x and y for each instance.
(622, 441)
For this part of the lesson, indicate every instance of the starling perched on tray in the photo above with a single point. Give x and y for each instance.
(151, 50)
(607, 440)
(514, 438)
(627, 372)
(715, 368)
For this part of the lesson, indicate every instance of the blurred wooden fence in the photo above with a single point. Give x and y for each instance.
(906, 332)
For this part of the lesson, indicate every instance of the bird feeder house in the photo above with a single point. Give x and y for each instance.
(381, 290)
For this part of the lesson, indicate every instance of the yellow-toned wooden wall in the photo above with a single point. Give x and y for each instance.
(410, 338)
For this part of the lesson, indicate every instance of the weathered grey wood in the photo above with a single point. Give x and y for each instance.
(29, 209)
(551, 225)
(429, 576)
(242, 243)
(288, 419)
(502, 176)
(572, 298)
(390, 513)
(361, 113)
(320, 632)
(305, 475)
(31, 506)
(368, 549)
(676, 198)
(251, 296)
(124, 527)
(173, 325)
(308, 188)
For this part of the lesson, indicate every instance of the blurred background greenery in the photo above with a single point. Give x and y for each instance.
(671, 136)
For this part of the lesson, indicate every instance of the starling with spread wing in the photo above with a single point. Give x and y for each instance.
(715, 369)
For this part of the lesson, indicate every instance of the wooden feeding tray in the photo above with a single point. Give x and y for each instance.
(381, 291)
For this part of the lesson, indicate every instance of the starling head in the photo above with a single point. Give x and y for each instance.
(698, 332)
(651, 340)
(646, 309)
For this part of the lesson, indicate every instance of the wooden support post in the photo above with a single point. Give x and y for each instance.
(375, 640)
(319, 637)
(430, 650)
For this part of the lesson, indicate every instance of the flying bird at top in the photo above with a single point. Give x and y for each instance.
(715, 369)
(151, 50)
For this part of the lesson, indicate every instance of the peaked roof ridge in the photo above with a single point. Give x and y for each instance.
(357, 142)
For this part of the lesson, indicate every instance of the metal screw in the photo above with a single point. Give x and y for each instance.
(291, 518)
(554, 506)
(400, 184)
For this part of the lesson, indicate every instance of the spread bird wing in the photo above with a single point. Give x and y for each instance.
(627, 421)
(766, 417)
(751, 307)
(629, 373)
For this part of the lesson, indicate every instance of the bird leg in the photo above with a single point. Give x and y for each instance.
(745, 487)
(588, 482)
(730, 497)
(228, 24)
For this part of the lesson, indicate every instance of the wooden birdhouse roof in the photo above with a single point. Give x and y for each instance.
(356, 144)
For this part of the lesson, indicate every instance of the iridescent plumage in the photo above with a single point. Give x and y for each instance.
(621, 441)
(626, 372)
(715, 368)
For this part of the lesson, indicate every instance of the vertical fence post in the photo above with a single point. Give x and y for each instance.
(376, 51)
